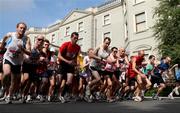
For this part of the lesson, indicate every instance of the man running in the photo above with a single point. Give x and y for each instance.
(68, 53)
(13, 57)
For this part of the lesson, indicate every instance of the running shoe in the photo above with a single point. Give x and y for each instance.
(176, 91)
(170, 96)
(8, 100)
(61, 98)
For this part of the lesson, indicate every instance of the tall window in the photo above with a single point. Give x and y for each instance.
(80, 27)
(140, 20)
(106, 19)
(67, 31)
(138, 1)
(53, 38)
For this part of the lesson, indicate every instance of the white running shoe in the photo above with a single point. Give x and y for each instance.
(8, 100)
(170, 96)
(176, 91)
(61, 98)
(137, 99)
(29, 98)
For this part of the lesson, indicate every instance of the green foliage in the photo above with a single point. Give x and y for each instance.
(167, 28)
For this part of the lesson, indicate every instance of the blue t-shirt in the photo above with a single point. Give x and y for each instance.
(178, 74)
(161, 68)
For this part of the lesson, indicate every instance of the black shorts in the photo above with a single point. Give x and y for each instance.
(65, 68)
(131, 81)
(93, 68)
(1, 68)
(108, 73)
(15, 69)
(156, 79)
(117, 73)
(50, 72)
(26, 67)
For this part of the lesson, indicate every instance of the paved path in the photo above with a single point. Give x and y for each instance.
(147, 106)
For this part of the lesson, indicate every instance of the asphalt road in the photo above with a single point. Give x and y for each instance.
(147, 106)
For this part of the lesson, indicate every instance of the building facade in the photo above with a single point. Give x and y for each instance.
(127, 22)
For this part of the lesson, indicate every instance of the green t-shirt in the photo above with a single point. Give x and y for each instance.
(147, 69)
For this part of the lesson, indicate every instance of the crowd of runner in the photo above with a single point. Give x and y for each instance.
(29, 73)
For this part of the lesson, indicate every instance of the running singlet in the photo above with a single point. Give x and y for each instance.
(13, 53)
(99, 65)
(69, 51)
(139, 61)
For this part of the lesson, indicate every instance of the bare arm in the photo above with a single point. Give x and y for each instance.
(63, 59)
(28, 47)
(5, 38)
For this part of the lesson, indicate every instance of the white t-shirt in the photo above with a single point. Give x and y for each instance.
(14, 54)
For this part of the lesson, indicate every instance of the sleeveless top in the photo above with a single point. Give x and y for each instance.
(13, 53)
(139, 61)
(102, 54)
(123, 65)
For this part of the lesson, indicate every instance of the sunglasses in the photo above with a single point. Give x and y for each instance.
(115, 51)
(40, 39)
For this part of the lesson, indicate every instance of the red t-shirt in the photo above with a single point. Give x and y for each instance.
(131, 72)
(69, 51)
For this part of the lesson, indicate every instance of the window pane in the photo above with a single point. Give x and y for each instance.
(106, 19)
(140, 27)
(67, 31)
(80, 26)
(140, 17)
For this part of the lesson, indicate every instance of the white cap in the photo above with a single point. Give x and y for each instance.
(52, 49)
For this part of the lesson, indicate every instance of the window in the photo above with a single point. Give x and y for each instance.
(80, 41)
(80, 27)
(107, 34)
(140, 20)
(138, 1)
(67, 31)
(107, 19)
(53, 38)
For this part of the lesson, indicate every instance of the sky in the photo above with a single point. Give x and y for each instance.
(38, 13)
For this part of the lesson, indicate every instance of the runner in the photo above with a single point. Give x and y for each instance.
(52, 73)
(160, 69)
(68, 53)
(13, 57)
(30, 87)
(135, 73)
(2, 51)
(97, 66)
(177, 77)
(111, 67)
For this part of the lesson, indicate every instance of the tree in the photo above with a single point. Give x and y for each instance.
(167, 28)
